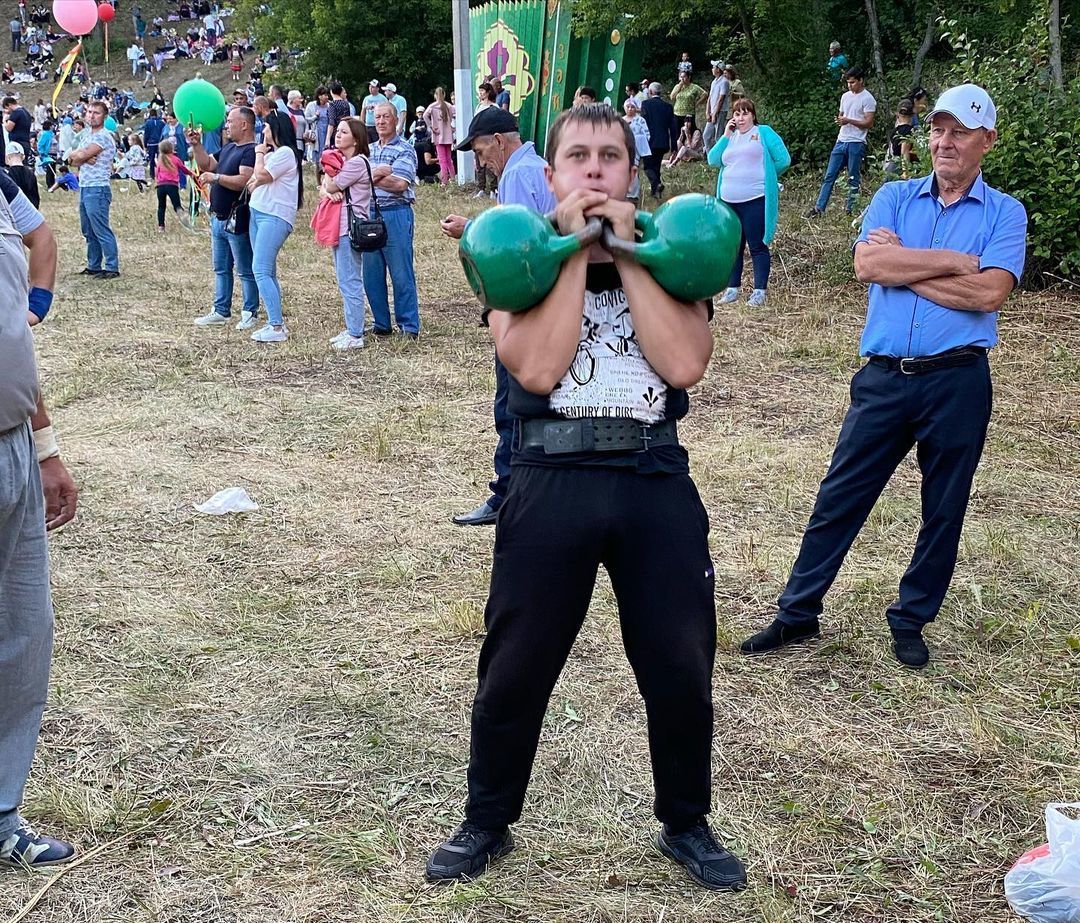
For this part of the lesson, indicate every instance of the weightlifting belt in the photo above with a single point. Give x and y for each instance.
(593, 434)
(920, 365)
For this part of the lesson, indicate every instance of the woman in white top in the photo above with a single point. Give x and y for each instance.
(640, 129)
(751, 157)
(276, 193)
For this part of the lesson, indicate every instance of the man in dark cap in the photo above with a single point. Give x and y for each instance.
(494, 139)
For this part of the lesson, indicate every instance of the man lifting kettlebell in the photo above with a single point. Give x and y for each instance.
(598, 375)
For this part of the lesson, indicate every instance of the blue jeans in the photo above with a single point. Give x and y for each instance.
(504, 427)
(752, 218)
(26, 618)
(397, 257)
(268, 234)
(851, 154)
(94, 202)
(231, 250)
(349, 268)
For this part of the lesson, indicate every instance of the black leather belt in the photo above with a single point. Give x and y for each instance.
(593, 434)
(920, 365)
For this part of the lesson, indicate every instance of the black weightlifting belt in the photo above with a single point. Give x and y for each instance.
(920, 365)
(593, 434)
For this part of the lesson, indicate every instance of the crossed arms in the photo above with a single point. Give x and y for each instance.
(948, 277)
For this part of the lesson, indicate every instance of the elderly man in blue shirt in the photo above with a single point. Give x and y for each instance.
(393, 168)
(493, 137)
(941, 255)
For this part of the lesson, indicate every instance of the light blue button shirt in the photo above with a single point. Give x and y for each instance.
(984, 222)
(523, 181)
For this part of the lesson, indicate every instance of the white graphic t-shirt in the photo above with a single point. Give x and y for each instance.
(609, 376)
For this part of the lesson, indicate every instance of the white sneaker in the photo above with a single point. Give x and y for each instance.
(479, 194)
(247, 320)
(348, 341)
(339, 336)
(494, 197)
(268, 334)
(212, 319)
(730, 295)
(757, 298)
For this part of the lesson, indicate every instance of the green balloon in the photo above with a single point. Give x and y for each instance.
(200, 102)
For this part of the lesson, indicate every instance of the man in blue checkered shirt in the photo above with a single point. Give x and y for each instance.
(393, 163)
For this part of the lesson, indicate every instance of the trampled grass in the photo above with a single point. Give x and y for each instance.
(275, 705)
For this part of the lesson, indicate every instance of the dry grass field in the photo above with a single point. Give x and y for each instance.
(264, 718)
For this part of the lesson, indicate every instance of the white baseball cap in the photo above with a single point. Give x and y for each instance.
(14, 147)
(390, 87)
(373, 83)
(970, 105)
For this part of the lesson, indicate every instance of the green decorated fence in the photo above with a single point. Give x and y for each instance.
(528, 44)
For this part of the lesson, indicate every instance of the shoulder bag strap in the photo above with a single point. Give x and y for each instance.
(374, 198)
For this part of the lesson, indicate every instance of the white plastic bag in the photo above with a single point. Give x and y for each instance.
(1044, 885)
(230, 500)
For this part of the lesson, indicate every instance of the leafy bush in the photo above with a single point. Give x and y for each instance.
(1035, 158)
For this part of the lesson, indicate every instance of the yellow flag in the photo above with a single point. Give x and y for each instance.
(65, 69)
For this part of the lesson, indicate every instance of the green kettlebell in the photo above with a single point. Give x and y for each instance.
(688, 245)
(512, 255)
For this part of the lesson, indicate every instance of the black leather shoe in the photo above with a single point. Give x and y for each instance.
(910, 649)
(708, 863)
(90, 272)
(468, 853)
(109, 274)
(484, 515)
(379, 332)
(779, 634)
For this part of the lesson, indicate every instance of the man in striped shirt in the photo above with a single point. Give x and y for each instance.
(393, 163)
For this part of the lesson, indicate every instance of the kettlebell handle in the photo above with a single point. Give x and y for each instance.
(615, 245)
(587, 236)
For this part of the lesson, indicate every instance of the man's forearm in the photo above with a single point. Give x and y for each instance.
(202, 159)
(235, 183)
(41, 243)
(673, 336)
(40, 418)
(984, 291)
(392, 183)
(893, 265)
(538, 345)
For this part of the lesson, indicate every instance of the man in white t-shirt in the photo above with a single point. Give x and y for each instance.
(717, 108)
(857, 107)
(400, 104)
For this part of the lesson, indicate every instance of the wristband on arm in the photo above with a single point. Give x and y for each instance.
(45, 443)
(41, 300)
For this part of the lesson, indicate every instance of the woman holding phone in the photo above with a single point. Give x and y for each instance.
(751, 158)
(276, 193)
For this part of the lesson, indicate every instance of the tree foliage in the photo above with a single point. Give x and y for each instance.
(354, 41)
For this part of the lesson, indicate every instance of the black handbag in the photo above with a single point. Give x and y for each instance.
(366, 234)
(239, 217)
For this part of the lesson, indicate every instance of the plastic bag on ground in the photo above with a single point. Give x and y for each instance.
(1044, 885)
(230, 500)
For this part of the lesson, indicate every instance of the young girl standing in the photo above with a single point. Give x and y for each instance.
(169, 167)
(134, 162)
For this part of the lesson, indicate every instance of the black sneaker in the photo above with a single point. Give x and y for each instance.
(468, 853)
(90, 272)
(379, 332)
(910, 649)
(779, 634)
(109, 274)
(708, 863)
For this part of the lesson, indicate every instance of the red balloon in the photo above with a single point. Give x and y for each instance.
(106, 12)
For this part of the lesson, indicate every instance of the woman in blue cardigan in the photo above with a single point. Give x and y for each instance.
(750, 157)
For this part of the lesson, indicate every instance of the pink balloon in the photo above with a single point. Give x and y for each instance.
(75, 16)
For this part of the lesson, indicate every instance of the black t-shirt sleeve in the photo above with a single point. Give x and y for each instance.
(247, 157)
(8, 187)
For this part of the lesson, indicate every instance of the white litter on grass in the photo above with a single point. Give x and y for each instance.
(230, 500)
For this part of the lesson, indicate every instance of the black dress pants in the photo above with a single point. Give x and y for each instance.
(556, 527)
(944, 414)
(651, 165)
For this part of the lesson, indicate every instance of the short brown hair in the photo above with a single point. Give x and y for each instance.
(746, 104)
(595, 114)
(100, 104)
